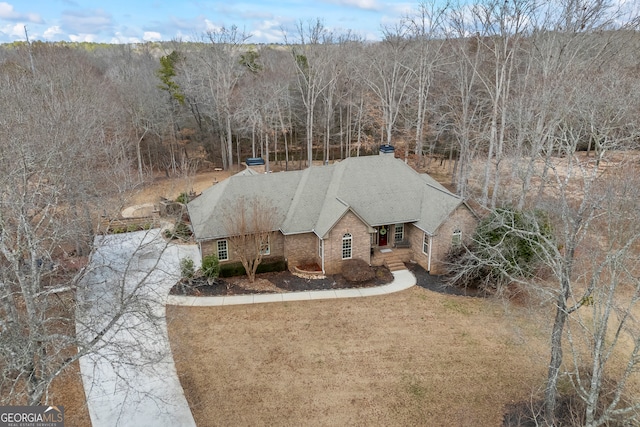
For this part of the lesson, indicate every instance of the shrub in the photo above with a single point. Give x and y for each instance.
(180, 230)
(210, 266)
(187, 268)
(266, 266)
(183, 198)
(507, 244)
(271, 266)
(232, 269)
(357, 270)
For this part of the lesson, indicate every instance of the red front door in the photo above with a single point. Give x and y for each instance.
(383, 232)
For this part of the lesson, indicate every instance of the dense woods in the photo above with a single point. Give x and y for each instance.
(506, 91)
(501, 81)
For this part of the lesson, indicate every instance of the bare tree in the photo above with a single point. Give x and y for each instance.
(61, 162)
(589, 257)
(604, 336)
(425, 30)
(313, 59)
(389, 75)
(223, 77)
(250, 224)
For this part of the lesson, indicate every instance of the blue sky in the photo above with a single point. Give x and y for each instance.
(133, 21)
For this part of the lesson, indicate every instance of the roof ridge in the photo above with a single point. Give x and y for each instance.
(331, 195)
(295, 200)
(442, 189)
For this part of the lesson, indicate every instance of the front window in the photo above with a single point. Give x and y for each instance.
(425, 244)
(320, 248)
(399, 233)
(223, 251)
(456, 239)
(265, 247)
(346, 246)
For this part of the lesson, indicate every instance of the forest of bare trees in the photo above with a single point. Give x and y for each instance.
(494, 80)
(507, 91)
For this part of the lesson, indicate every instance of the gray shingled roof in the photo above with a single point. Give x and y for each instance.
(379, 189)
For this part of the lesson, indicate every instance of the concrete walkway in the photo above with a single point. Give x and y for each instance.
(402, 279)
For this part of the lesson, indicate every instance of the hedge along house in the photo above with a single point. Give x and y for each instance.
(361, 207)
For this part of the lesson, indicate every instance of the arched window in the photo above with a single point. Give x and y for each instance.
(346, 246)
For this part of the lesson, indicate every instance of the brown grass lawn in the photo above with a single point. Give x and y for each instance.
(67, 391)
(414, 358)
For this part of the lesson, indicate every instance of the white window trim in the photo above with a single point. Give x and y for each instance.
(456, 238)
(226, 249)
(428, 253)
(267, 247)
(347, 237)
(395, 232)
(426, 239)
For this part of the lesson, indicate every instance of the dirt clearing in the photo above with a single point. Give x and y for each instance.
(170, 188)
(411, 358)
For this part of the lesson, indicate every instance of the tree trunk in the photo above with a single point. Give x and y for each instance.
(551, 391)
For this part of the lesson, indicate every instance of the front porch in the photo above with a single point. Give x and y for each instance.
(392, 258)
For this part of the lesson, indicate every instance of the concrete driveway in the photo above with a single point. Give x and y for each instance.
(130, 378)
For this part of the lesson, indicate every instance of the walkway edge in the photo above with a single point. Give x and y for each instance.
(402, 279)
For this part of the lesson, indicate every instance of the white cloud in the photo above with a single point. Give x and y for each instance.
(7, 12)
(210, 26)
(78, 38)
(15, 31)
(120, 38)
(151, 36)
(267, 32)
(51, 32)
(360, 4)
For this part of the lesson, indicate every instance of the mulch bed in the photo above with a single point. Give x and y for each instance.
(436, 284)
(285, 281)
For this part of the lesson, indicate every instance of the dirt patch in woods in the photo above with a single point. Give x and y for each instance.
(411, 358)
(170, 188)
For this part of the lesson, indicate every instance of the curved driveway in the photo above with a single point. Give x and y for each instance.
(131, 380)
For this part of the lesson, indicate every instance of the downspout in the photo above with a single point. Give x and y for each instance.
(322, 257)
(429, 260)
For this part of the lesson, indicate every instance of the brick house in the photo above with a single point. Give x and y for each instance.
(361, 207)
